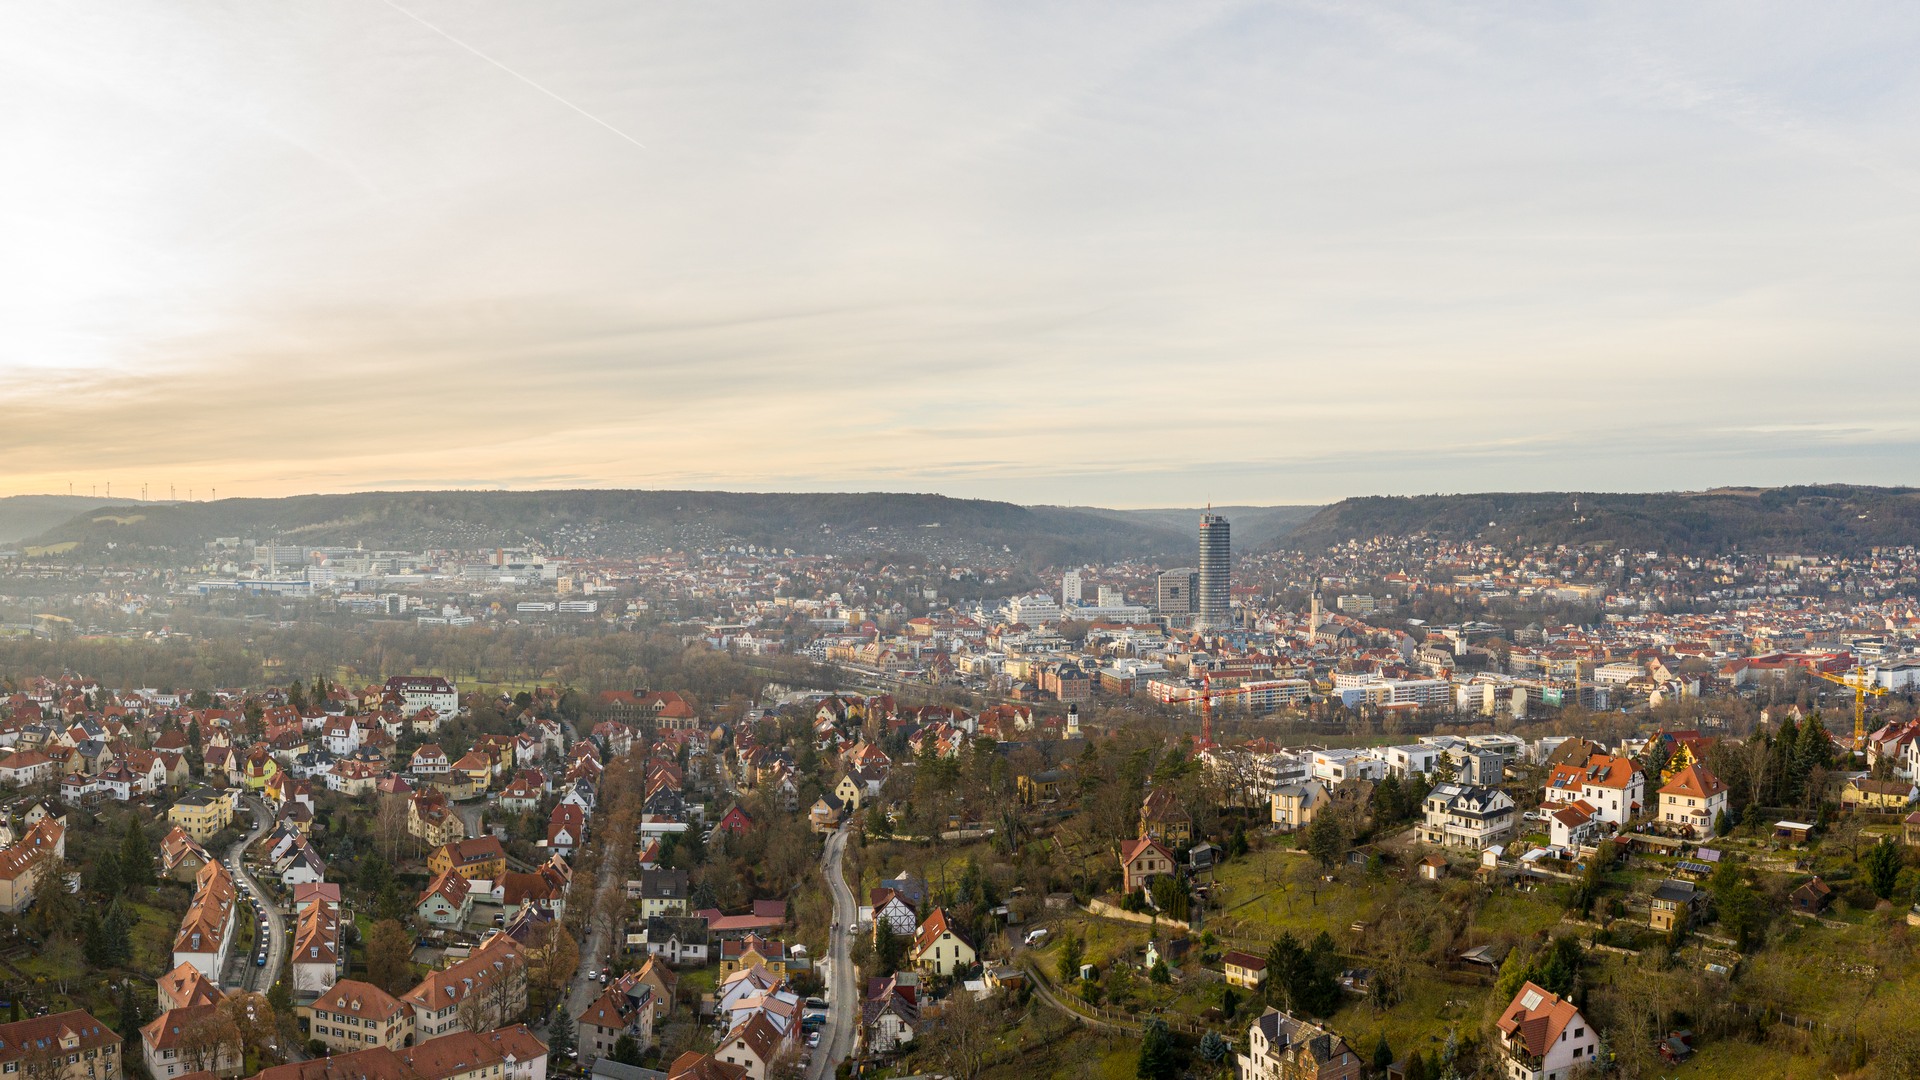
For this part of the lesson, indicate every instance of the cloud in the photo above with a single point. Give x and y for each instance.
(1063, 253)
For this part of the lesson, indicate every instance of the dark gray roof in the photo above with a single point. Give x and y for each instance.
(609, 1069)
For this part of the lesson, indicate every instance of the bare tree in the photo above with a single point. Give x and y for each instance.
(962, 1038)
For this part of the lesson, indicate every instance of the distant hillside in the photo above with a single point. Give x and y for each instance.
(1830, 519)
(22, 516)
(621, 522)
(1253, 526)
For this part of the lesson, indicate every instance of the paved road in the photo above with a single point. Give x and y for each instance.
(594, 954)
(253, 977)
(843, 997)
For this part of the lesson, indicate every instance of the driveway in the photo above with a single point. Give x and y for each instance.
(843, 997)
(253, 977)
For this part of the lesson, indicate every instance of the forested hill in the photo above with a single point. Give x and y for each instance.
(1830, 520)
(593, 522)
(22, 516)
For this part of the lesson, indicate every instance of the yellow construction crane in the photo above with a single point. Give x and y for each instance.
(1860, 681)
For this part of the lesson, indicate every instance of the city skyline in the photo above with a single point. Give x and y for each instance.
(1146, 256)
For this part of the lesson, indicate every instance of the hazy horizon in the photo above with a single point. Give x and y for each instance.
(1136, 256)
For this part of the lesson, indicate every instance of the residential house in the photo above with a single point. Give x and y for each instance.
(1573, 826)
(681, 941)
(1296, 804)
(186, 985)
(24, 863)
(890, 1014)
(64, 1046)
(664, 891)
(623, 1008)
(938, 948)
(354, 1015)
(1881, 796)
(1143, 860)
(754, 1045)
(693, 1065)
(1692, 801)
(1244, 970)
(202, 814)
(1467, 816)
(890, 909)
(1673, 904)
(493, 977)
(171, 1047)
(478, 859)
(752, 950)
(432, 820)
(206, 930)
(447, 901)
(1283, 1047)
(1542, 1036)
(1162, 818)
(1614, 786)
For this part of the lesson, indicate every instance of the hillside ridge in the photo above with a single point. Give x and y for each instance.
(1817, 519)
(614, 522)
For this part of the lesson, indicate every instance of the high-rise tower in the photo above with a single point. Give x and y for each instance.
(1214, 596)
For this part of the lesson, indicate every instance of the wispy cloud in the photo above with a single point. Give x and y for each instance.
(1070, 253)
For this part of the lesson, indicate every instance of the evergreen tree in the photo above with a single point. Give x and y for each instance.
(1214, 1048)
(1159, 1060)
(102, 875)
(116, 936)
(1159, 974)
(1326, 840)
(1513, 974)
(626, 1051)
(134, 1012)
(1416, 1067)
(1721, 824)
(1382, 1054)
(1387, 805)
(136, 856)
(1882, 863)
(1285, 960)
(1072, 953)
(92, 940)
(560, 1037)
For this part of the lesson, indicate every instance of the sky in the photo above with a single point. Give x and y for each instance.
(1106, 253)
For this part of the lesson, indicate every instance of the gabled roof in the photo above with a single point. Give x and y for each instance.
(1695, 781)
(937, 923)
(1133, 849)
(1536, 1018)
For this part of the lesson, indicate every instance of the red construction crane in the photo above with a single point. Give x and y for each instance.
(1207, 694)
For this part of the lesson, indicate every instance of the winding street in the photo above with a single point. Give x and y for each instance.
(843, 997)
(253, 977)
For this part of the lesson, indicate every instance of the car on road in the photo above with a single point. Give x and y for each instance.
(260, 960)
(813, 1038)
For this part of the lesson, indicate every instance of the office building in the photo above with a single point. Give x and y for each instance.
(1174, 594)
(1214, 608)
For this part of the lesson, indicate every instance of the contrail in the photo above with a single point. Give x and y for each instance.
(515, 74)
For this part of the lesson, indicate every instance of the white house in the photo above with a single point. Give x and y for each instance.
(1692, 801)
(1544, 1037)
(1466, 816)
(1614, 786)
